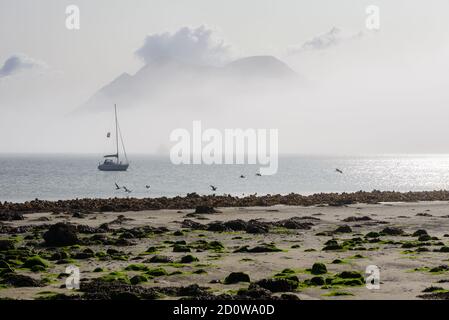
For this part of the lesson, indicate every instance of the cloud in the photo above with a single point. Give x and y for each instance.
(324, 41)
(192, 45)
(17, 63)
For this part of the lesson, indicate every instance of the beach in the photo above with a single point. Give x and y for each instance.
(318, 251)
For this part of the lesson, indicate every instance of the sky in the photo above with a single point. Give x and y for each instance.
(364, 91)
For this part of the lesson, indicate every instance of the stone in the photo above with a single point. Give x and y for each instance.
(61, 235)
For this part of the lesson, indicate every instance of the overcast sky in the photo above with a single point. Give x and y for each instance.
(383, 91)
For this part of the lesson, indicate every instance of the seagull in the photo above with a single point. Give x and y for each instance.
(117, 187)
(214, 188)
(242, 176)
(339, 171)
(126, 189)
(147, 186)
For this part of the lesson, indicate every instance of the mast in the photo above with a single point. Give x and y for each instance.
(116, 131)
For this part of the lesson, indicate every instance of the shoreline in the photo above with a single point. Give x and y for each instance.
(192, 200)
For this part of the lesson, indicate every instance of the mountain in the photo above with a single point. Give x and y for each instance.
(171, 82)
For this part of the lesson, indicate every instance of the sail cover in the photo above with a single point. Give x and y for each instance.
(111, 156)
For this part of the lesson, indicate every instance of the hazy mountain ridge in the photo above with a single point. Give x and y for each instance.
(164, 81)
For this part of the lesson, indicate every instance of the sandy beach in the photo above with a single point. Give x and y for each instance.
(169, 254)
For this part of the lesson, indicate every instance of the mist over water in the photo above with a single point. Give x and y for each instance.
(57, 177)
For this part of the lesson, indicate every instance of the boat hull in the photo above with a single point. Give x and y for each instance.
(113, 167)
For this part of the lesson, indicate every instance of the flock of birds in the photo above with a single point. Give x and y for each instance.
(117, 187)
(212, 187)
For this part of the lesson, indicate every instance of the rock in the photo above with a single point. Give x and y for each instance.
(59, 255)
(436, 296)
(151, 250)
(424, 214)
(235, 277)
(278, 285)
(38, 268)
(289, 296)
(83, 255)
(18, 280)
(218, 227)
(187, 223)
(160, 259)
(35, 261)
(372, 234)
(180, 248)
(61, 235)
(341, 202)
(420, 232)
(332, 245)
(254, 292)
(319, 268)
(11, 216)
(78, 215)
(259, 249)
(97, 289)
(424, 237)
(316, 281)
(189, 259)
(433, 289)
(237, 225)
(357, 219)
(337, 261)
(157, 272)
(205, 210)
(6, 245)
(350, 275)
(294, 223)
(138, 279)
(392, 231)
(255, 227)
(5, 268)
(343, 229)
(439, 269)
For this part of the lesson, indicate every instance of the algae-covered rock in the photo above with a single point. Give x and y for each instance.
(235, 277)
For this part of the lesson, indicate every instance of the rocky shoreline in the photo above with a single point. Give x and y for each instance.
(230, 253)
(193, 200)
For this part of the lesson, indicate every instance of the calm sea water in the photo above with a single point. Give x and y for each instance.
(26, 177)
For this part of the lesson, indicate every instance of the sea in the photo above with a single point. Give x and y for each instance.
(60, 177)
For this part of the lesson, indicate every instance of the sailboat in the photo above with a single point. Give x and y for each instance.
(112, 162)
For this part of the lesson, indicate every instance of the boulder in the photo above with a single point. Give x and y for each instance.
(236, 277)
(6, 245)
(278, 285)
(319, 268)
(61, 235)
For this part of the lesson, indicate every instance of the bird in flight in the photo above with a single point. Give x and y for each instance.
(117, 187)
(147, 186)
(126, 189)
(339, 171)
(242, 176)
(214, 188)
(258, 174)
